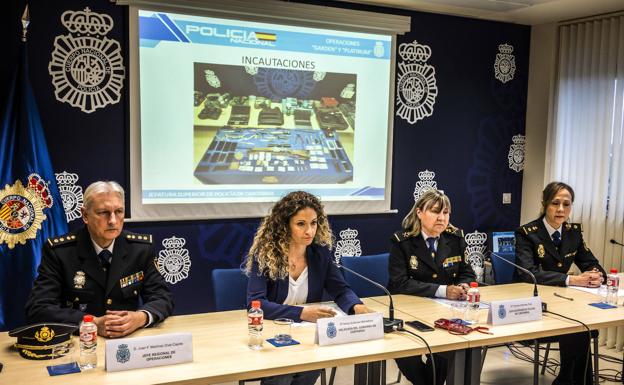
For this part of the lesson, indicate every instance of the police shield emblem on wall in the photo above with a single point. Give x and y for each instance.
(86, 67)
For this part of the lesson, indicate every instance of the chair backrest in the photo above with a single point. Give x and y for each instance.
(503, 272)
(230, 289)
(374, 267)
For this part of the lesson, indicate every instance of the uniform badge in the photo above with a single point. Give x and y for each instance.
(45, 334)
(21, 210)
(79, 280)
(82, 307)
(540, 251)
(414, 262)
(129, 280)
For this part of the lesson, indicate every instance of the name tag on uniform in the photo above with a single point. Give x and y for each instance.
(129, 280)
(145, 352)
(351, 328)
(450, 261)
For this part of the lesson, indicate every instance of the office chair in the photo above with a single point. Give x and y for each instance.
(504, 273)
(374, 267)
(230, 293)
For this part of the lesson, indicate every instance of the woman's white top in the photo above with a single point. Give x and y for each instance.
(297, 289)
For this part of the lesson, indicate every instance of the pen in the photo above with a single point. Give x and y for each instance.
(561, 296)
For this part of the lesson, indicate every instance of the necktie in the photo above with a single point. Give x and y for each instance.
(556, 237)
(431, 242)
(105, 257)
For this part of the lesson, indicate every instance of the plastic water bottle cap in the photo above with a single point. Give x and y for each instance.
(87, 318)
(255, 304)
(474, 284)
(613, 271)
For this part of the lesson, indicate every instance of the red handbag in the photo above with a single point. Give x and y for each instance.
(458, 328)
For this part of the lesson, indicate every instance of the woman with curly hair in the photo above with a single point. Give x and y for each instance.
(289, 263)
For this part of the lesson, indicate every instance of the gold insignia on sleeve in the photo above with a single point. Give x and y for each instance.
(413, 262)
(585, 246)
(540, 251)
(79, 280)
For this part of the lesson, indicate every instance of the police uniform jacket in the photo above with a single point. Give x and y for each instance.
(414, 271)
(323, 275)
(536, 252)
(72, 281)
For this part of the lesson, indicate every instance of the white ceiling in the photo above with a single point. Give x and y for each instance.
(531, 12)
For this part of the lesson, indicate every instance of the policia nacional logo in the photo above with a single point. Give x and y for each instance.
(21, 210)
(87, 68)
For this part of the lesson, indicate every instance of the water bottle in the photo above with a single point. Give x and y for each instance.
(88, 343)
(474, 299)
(613, 284)
(255, 318)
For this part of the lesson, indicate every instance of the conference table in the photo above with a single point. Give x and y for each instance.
(220, 352)
(468, 361)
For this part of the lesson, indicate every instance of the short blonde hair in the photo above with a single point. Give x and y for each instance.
(430, 199)
(100, 187)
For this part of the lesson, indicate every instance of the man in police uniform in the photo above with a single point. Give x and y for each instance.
(100, 270)
(427, 259)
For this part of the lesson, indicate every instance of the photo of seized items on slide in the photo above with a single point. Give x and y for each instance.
(255, 125)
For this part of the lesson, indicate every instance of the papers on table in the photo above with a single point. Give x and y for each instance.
(331, 304)
(599, 291)
(452, 303)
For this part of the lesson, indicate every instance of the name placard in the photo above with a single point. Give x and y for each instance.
(515, 310)
(351, 328)
(145, 352)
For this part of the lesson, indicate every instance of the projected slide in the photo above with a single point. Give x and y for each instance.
(234, 111)
(275, 135)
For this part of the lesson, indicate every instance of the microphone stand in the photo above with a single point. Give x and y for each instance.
(390, 324)
(535, 293)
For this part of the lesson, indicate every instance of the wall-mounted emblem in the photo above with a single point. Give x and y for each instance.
(348, 245)
(86, 67)
(416, 82)
(425, 183)
(474, 252)
(505, 63)
(174, 262)
(516, 153)
(71, 194)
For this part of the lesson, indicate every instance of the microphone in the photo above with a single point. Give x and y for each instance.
(389, 323)
(613, 241)
(535, 293)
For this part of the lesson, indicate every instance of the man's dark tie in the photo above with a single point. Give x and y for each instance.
(105, 258)
(431, 242)
(556, 237)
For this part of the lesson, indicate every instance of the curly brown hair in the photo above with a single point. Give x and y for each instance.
(271, 242)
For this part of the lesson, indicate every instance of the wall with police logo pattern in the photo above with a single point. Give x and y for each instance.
(465, 138)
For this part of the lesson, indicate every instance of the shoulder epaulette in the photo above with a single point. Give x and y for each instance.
(141, 238)
(400, 236)
(530, 228)
(62, 240)
(454, 231)
(574, 226)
